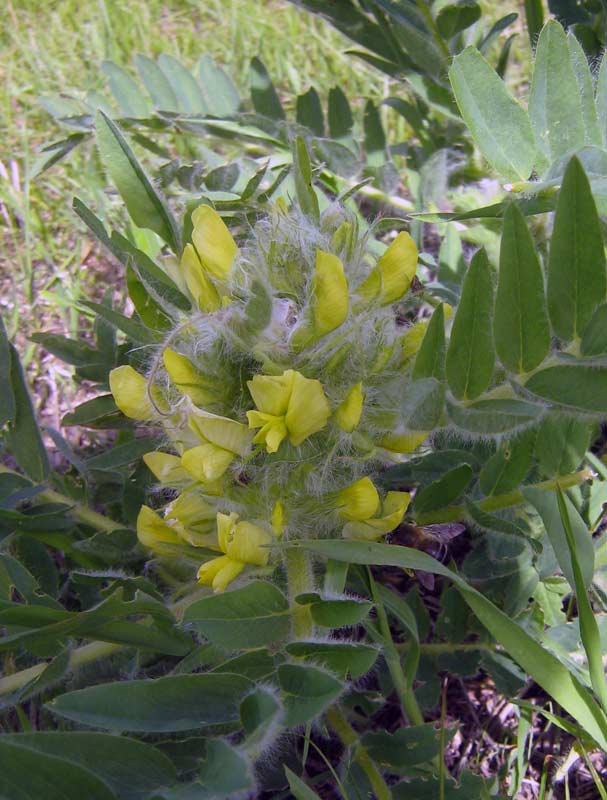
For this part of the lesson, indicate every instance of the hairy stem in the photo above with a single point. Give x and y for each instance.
(337, 720)
(299, 576)
(77, 510)
(501, 501)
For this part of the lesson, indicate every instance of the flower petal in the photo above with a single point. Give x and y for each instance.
(349, 412)
(198, 282)
(187, 378)
(226, 524)
(308, 410)
(166, 468)
(405, 442)
(273, 429)
(154, 533)
(250, 544)
(278, 519)
(230, 570)
(271, 393)
(207, 462)
(221, 431)
(330, 293)
(397, 268)
(130, 390)
(213, 241)
(393, 511)
(358, 501)
(207, 571)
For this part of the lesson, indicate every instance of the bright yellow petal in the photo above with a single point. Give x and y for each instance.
(213, 241)
(330, 293)
(194, 519)
(154, 533)
(249, 544)
(198, 282)
(130, 390)
(308, 410)
(226, 523)
(187, 378)
(273, 429)
(349, 412)
(229, 572)
(207, 571)
(397, 268)
(221, 431)
(166, 468)
(207, 462)
(393, 511)
(278, 519)
(358, 501)
(271, 393)
(403, 442)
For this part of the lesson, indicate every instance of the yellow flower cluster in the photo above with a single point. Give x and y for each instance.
(273, 408)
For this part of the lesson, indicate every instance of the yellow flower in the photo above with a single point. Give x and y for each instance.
(288, 405)
(405, 442)
(411, 340)
(166, 468)
(358, 501)
(198, 282)
(243, 543)
(194, 519)
(213, 242)
(349, 412)
(222, 440)
(130, 390)
(391, 277)
(154, 533)
(390, 516)
(278, 519)
(187, 378)
(330, 293)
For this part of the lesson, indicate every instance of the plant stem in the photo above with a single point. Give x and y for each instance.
(424, 10)
(500, 501)
(78, 657)
(349, 737)
(299, 576)
(81, 512)
(438, 648)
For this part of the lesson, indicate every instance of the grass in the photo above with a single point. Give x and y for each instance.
(46, 259)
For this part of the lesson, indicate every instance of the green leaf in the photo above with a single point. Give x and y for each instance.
(303, 180)
(404, 748)
(72, 351)
(174, 703)
(594, 339)
(126, 91)
(101, 411)
(335, 613)
(121, 455)
(498, 124)
(601, 98)
(30, 775)
(307, 692)
(444, 491)
(493, 416)
(545, 502)
(454, 18)
(23, 435)
(219, 92)
(184, 85)
(254, 616)
(144, 204)
(7, 398)
(561, 444)
(343, 658)
(309, 112)
(152, 314)
(585, 83)
(576, 266)
(257, 711)
(572, 386)
(155, 81)
(509, 466)
(555, 106)
(339, 116)
(133, 329)
(430, 360)
(299, 789)
(544, 668)
(130, 768)
(520, 325)
(224, 772)
(263, 94)
(470, 355)
(589, 629)
(375, 138)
